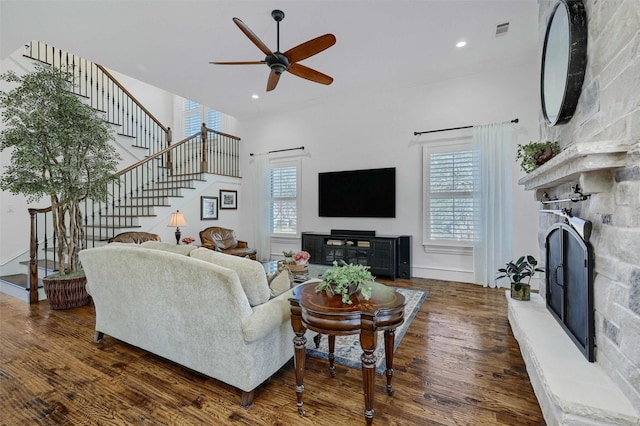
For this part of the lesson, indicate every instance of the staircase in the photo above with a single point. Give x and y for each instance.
(167, 171)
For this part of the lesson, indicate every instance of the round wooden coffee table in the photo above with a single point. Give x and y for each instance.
(328, 315)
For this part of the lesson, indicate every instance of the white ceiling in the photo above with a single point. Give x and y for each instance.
(381, 44)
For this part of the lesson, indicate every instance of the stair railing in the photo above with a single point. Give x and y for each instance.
(139, 188)
(152, 181)
(104, 93)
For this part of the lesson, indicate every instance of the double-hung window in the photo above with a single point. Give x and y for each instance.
(450, 176)
(283, 191)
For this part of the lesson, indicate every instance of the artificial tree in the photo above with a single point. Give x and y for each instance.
(60, 148)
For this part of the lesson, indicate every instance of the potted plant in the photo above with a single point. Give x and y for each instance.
(288, 256)
(535, 154)
(524, 267)
(60, 149)
(345, 280)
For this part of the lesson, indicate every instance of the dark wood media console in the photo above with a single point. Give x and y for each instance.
(386, 255)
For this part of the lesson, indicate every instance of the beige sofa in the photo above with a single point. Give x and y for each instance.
(208, 311)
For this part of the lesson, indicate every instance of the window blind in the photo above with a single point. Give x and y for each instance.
(283, 189)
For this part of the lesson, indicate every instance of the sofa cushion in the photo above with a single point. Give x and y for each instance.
(251, 273)
(172, 248)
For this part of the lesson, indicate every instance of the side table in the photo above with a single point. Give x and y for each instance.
(328, 315)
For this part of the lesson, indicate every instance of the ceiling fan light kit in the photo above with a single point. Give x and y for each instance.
(280, 62)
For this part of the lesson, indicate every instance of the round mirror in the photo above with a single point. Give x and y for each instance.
(564, 59)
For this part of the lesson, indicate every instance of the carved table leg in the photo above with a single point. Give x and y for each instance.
(300, 351)
(368, 341)
(332, 357)
(389, 338)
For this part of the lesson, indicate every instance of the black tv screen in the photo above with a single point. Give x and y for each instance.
(357, 193)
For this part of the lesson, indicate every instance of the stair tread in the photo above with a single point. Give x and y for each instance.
(48, 264)
(21, 280)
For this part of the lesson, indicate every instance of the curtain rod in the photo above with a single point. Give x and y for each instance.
(280, 150)
(515, 120)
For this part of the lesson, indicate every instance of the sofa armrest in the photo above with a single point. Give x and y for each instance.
(267, 317)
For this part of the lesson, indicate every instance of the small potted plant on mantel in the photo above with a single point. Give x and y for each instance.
(535, 154)
(524, 267)
(345, 280)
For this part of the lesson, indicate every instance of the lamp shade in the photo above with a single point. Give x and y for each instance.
(177, 219)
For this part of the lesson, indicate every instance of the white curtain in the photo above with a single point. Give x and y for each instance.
(493, 249)
(262, 219)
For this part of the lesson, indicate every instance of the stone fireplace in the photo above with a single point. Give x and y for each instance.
(601, 155)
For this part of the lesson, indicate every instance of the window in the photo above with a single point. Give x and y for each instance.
(284, 197)
(196, 114)
(450, 206)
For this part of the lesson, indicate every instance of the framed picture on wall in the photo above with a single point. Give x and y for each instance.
(208, 208)
(228, 199)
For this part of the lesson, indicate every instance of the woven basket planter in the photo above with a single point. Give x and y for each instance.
(66, 293)
(296, 269)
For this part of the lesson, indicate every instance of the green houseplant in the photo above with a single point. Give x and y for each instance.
(535, 154)
(288, 256)
(60, 149)
(524, 267)
(345, 280)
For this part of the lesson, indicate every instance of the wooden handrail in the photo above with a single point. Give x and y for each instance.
(117, 83)
(224, 134)
(171, 148)
(156, 155)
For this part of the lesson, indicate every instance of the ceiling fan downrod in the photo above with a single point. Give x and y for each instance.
(278, 16)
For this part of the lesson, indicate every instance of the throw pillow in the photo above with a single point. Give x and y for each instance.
(279, 282)
(250, 272)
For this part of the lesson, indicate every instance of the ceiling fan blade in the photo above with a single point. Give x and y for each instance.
(310, 74)
(273, 80)
(310, 48)
(239, 63)
(254, 38)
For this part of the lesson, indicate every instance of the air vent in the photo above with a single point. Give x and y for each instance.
(502, 29)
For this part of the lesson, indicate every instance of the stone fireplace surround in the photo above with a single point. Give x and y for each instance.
(570, 390)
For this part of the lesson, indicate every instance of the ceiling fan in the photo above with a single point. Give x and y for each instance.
(287, 61)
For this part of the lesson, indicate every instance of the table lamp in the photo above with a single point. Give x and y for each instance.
(177, 220)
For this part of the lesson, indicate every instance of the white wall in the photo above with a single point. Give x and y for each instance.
(370, 130)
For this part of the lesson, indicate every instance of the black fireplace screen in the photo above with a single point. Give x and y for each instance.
(569, 278)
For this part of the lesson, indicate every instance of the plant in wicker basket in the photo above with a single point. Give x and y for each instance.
(60, 149)
(346, 280)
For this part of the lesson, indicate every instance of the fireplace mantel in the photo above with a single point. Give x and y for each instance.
(576, 161)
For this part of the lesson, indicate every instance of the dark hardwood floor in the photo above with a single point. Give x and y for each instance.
(458, 364)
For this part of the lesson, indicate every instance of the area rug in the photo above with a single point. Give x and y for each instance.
(348, 350)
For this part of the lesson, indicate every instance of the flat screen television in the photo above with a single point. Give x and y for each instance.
(357, 193)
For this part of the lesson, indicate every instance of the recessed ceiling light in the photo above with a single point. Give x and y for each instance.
(461, 44)
(255, 96)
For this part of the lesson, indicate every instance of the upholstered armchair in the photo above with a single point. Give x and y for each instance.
(134, 237)
(225, 241)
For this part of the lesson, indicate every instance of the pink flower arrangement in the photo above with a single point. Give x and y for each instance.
(301, 257)
(188, 240)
